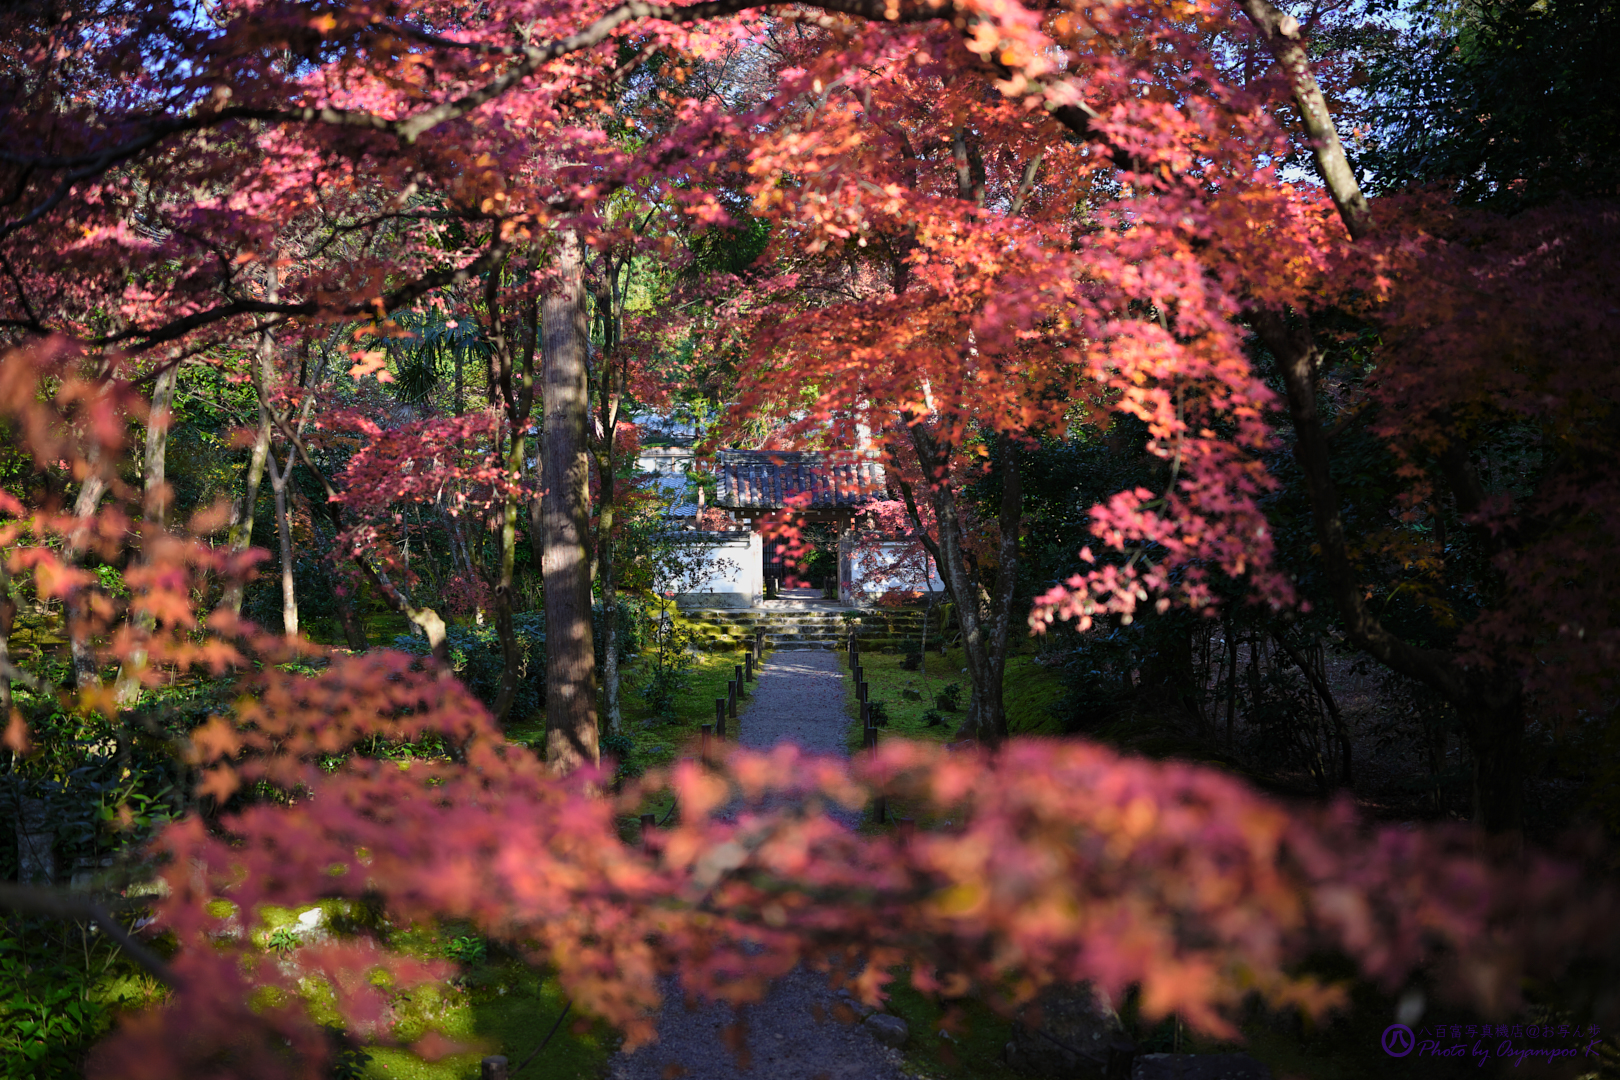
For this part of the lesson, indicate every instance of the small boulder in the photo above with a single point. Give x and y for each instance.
(888, 1030)
(911, 695)
(1068, 1031)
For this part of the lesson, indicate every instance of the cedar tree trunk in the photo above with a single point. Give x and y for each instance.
(154, 478)
(571, 737)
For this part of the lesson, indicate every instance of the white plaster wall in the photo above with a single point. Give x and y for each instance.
(867, 558)
(733, 574)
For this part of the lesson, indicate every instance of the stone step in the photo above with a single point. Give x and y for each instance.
(752, 615)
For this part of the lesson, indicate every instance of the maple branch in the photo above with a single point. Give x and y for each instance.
(1281, 33)
(530, 58)
(13, 673)
(429, 620)
(380, 305)
(922, 533)
(52, 904)
(1027, 184)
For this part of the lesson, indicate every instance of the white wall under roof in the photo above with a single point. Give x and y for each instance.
(875, 561)
(732, 572)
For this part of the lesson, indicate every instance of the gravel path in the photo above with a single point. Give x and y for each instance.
(800, 698)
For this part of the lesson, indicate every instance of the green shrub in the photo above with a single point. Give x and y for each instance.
(619, 748)
(470, 951)
(475, 653)
(475, 657)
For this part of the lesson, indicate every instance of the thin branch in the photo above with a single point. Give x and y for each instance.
(1027, 184)
(53, 904)
(381, 305)
(33, 322)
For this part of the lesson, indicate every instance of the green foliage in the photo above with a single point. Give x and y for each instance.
(349, 1062)
(467, 950)
(59, 986)
(432, 348)
(621, 749)
(950, 1039)
(476, 658)
(669, 662)
(1513, 103)
(106, 785)
(47, 1021)
(1097, 673)
(1032, 692)
(631, 625)
(730, 250)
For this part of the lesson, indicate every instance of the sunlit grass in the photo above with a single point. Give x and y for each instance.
(1030, 691)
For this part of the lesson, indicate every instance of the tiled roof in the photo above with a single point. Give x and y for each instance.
(768, 479)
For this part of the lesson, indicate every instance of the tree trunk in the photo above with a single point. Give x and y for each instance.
(511, 658)
(348, 614)
(985, 618)
(241, 531)
(1494, 726)
(424, 618)
(241, 534)
(608, 398)
(571, 736)
(8, 614)
(86, 670)
(515, 387)
(289, 589)
(610, 600)
(154, 478)
(343, 598)
(1231, 679)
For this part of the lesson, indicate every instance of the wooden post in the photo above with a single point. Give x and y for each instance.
(748, 667)
(720, 717)
(492, 1068)
(905, 827)
(864, 691)
(708, 729)
(880, 809)
(732, 690)
(737, 670)
(649, 822)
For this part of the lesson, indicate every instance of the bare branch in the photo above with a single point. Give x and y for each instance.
(55, 904)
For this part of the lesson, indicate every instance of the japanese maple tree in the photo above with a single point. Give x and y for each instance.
(1022, 215)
